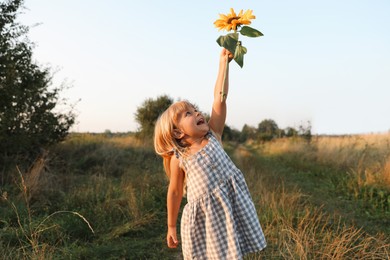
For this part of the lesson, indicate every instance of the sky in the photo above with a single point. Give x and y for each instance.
(323, 62)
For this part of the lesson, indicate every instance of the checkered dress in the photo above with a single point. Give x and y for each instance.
(220, 220)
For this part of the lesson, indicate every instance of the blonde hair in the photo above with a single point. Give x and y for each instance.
(165, 144)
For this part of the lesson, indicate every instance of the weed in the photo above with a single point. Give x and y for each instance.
(30, 231)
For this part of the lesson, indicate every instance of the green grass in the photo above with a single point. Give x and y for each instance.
(115, 186)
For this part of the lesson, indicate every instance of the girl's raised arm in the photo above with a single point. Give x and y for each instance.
(221, 89)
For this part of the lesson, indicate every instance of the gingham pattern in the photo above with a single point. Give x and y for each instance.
(220, 220)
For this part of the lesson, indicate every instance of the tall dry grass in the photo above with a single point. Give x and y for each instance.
(294, 228)
(368, 156)
(364, 158)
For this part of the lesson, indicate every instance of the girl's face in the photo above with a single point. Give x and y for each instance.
(192, 123)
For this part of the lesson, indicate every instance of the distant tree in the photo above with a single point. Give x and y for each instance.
(147, 114)
(108, 133)
(247, 133)
(230, 134)
(28, 100)
(267, 130)
(304, 130)
(281, 133)
(290, 132)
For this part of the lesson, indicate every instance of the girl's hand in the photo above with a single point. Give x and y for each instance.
(172, 238)
(226, 54)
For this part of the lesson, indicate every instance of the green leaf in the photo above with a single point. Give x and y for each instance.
(239, 54)
(229, 41)
(250, 32)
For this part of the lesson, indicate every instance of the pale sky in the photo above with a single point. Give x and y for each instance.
(327, 62)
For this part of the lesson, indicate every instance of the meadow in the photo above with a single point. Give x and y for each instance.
(102, 196)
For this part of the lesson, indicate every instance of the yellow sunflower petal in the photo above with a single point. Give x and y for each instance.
(246, 22)
(248, 15)
(223, 17)
(235, 23)
(232, 12)
(228, 27)
(232, 21)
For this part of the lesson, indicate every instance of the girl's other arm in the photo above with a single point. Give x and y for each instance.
(218, 113)
(174, 197)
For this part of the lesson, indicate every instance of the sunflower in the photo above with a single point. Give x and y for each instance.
(233, 21)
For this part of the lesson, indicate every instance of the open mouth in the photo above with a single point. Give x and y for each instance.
(200, 122)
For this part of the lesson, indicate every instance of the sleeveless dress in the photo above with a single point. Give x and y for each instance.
(219, 220)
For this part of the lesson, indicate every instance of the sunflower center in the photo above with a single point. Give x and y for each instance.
(229, 21)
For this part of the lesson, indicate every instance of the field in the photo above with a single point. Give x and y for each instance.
(102, 196)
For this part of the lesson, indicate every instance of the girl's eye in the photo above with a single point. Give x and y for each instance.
(188, 113)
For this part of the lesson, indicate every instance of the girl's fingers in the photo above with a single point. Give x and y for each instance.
(172, 242)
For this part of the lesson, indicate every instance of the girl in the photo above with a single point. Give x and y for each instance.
(219, 220)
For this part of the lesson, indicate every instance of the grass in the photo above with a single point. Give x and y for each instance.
(295, 225)
(348, 174)
(118, 187)
(31, 231)
(318, 200)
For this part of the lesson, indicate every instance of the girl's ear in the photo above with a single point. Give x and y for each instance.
(178, 134)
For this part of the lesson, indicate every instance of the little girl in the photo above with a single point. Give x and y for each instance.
(219, 220)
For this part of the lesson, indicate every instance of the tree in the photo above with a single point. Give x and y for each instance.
(305, 130)
(147, 114)
(230, 134)
(247, 132)
(267, 130)
(290, 132)
(28, 100)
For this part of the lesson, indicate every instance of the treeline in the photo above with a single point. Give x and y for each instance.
(266, 130)
(147, 114)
